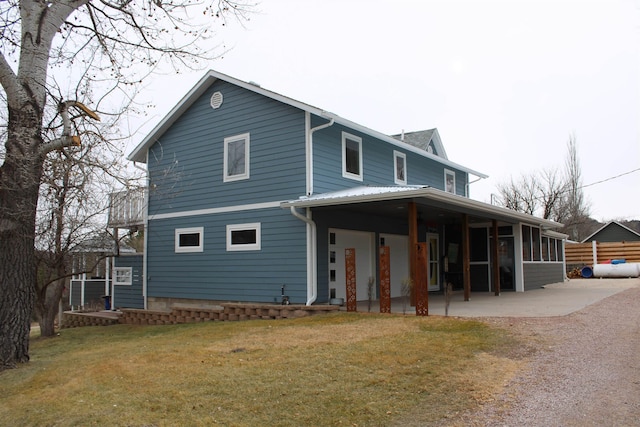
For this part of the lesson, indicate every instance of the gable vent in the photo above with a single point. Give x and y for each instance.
(216, 100)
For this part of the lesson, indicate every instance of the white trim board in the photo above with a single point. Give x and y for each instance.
(210, 211)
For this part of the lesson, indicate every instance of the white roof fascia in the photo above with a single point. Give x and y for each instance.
(401, 144)
(138, 154)
(438, 143)
(335, 199)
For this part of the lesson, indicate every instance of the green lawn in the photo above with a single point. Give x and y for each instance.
(340, 369)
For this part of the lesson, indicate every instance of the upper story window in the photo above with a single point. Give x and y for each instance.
(244, 237)
(189, 239)
(351, 156)
(236, 157)
(400, 168)
(449, 181)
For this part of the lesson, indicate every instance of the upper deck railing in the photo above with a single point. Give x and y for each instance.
(127, 208)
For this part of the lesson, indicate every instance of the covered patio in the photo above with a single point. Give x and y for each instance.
(439, 238)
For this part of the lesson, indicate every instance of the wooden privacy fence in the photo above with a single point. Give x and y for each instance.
(599, 253)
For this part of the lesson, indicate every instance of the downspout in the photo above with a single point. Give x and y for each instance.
(309, 141)
(146, 234)
(468, 184)
(312, 258)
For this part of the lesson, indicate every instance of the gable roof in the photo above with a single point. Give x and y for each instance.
(607, 225)
(139, 153)
(422, 138)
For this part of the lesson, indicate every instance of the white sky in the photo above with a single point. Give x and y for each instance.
(505, 82)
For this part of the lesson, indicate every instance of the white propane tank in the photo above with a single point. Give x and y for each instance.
(628, 269)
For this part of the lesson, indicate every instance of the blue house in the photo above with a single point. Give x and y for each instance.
(253, 195)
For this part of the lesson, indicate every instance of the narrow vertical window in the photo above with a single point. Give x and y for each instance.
(449, 181)
(351, 156)
(526, 243)
(400, 168)
(236, 157)
(535, 243)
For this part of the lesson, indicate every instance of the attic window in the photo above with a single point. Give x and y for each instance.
(216, 100)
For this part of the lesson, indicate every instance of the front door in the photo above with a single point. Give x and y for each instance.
(362, 243)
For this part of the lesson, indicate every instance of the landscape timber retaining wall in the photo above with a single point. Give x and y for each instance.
(227, 312)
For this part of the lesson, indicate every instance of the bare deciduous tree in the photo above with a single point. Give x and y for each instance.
(551, 194)
(93, 45)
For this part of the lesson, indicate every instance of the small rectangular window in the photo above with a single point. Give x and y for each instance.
(122, 276)
(449, 181)
(400, 168)
(189, 239)
(243, 237)
(236, 157)
(351, 156)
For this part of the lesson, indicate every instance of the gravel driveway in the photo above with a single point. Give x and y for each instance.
(584, 369)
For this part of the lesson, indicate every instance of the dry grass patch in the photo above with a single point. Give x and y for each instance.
(353, 369)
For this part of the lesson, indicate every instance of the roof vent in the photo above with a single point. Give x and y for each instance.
(216, 100)
(254, 83)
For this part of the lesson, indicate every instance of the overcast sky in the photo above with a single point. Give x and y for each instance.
(505, 82)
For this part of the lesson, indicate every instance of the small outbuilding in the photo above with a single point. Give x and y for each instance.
(613, 232)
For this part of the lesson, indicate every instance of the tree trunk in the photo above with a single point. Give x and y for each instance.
(19, 181)
(17, 278)
(47, 307)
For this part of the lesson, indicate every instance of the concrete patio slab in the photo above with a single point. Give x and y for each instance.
(557, 299)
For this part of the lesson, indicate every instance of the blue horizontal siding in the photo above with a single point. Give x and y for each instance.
(377, 159)
(186, 164)
(216, 274)
(129, 296)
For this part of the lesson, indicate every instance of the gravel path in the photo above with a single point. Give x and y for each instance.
(584, 369)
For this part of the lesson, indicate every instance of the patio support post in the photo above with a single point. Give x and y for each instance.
(466, 262)
(496, 259)
(413, 248)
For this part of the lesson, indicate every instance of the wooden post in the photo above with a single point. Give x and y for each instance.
(385, 279)
(421, 284)
(350, 279)
(496, 259)
(413, 243)
(466, 254)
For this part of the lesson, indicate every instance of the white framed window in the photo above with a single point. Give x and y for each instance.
(236, 157)
(351, 156)
(123, 276)
(449, 181)
(400, 168)
(189, 239)
(244, 237)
